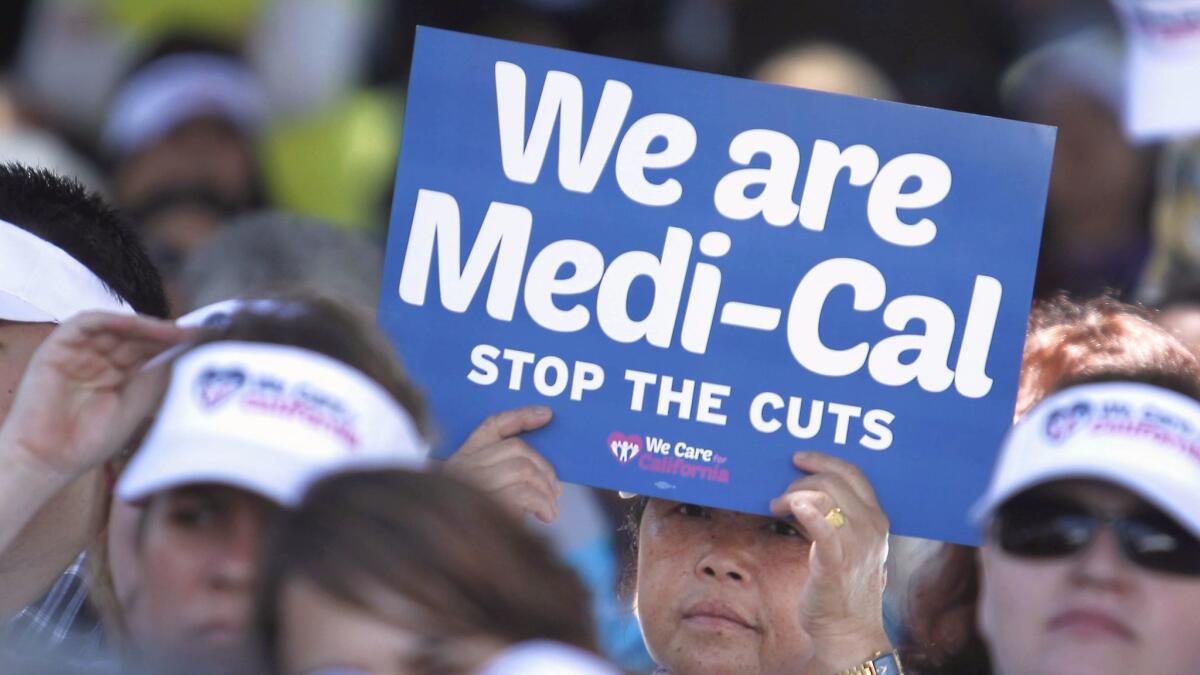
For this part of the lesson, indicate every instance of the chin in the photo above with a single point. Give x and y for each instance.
(1093, 659)
(708, 658)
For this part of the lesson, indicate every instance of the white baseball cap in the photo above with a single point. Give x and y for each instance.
(1141, 437)
(1162, 67)
(41, 283)
(271, 419)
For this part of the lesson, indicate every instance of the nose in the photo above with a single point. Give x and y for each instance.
(238, 559)
(728, 558)
(1101, 564)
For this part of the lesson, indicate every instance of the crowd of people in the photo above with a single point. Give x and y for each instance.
(212, 460)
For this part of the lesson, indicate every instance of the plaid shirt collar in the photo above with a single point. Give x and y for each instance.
(61, 619)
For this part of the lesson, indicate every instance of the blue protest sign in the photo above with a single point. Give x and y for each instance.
(701, 275)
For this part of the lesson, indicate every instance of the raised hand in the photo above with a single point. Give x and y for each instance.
(498, 461)
(79, 399)
(842, 602)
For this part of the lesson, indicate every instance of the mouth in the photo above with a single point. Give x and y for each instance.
(1088, 624)
(221, 634)
(716, 616)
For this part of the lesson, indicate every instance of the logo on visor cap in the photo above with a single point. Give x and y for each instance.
(1064, 421)
(215, 385)
(265, 394)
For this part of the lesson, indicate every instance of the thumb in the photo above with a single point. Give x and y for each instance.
(506, 425)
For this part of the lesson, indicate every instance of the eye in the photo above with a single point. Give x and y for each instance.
(692, 510)
(785, 528)
(192, 516)
(193, 513)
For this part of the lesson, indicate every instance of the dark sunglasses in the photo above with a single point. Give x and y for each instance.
(1039, 527)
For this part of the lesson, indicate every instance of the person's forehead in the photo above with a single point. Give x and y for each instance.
(25, 327)
(18, 340)
(217, 492)
(1093, 493)
(208, 124)
(732, 518)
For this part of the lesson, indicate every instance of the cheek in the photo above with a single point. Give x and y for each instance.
(1170, 624)
(172, 569)
(123, 548)
(159, 602)
(780, 587)
(1015, 600)
(662, 570)
(8, 388)
(20, 344)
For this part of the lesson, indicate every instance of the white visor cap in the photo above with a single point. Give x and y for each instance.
(1141, 437)
(270, 419)
(41, 283)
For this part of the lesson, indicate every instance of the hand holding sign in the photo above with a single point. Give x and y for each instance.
(842, 602)
(500, 463)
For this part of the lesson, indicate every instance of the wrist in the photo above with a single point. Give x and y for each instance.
(880, 663)
(20, 466)
(843, 654)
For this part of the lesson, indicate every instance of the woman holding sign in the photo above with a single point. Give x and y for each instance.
(721, 592)
(725, 592)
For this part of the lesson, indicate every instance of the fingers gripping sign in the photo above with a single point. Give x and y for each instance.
(842, 602)
(497, 460)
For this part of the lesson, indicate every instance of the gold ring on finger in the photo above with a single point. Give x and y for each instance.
(835, 517)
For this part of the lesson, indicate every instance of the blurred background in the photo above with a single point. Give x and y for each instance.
(192, 114)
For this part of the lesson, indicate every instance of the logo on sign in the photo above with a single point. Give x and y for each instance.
(624, 448)
(215, 385)
(681, 459)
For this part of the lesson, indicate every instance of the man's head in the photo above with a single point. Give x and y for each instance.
(180, 132)
(65, 215)
(244, 426)
(264, 251)
(1091, 560)
(62, 251)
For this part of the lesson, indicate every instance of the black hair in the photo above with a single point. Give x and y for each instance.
(63, 212)
(631, 527)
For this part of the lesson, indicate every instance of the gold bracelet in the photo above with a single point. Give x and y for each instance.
(889, 665)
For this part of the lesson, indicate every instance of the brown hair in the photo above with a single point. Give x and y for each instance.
(470, 569)
(1069, 340)
(1067, 343)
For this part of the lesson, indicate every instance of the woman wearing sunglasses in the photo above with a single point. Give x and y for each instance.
(1091, 562)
